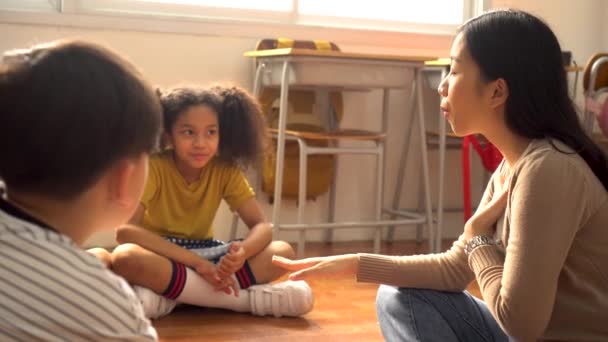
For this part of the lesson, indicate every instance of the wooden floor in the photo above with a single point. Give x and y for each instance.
(344, 310)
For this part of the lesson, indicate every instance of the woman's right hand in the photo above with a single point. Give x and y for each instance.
(337, 266)
(210, 273)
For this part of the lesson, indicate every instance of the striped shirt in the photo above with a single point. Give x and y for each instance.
(50, 289)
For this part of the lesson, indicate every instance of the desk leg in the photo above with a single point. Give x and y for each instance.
(257, 81)
(380, 167)
(325, 111)
(302, 195)
(403, 160)
(257, 86)
(282, 124)
(425, 161)
(442, 143)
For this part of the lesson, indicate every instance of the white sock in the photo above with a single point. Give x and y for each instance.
(197, 291)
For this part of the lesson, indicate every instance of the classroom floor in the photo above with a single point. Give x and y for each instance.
(344, 310)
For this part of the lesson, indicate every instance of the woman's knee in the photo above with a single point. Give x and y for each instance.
(391, 300)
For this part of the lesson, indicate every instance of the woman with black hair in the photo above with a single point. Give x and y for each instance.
(537, 243)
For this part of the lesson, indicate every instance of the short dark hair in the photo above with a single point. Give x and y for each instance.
(68, 111)
(522, 49)
(243, 133)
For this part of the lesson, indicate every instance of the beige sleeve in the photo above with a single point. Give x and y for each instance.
(546, 200)
(447, 271)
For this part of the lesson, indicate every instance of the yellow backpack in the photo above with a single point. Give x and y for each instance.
(300, 117)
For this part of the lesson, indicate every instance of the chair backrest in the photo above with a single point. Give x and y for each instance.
(595, 84)
(599, 77)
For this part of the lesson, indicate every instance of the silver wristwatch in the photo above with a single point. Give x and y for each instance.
(476, 241)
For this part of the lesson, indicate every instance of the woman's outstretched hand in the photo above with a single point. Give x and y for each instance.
(338, 266)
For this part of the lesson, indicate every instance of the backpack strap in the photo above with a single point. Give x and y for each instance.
(322, 45)
(284, 43)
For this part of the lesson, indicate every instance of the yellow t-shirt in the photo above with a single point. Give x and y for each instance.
(178, 209)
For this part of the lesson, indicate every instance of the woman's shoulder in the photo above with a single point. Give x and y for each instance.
(558, 165)
(550, 154)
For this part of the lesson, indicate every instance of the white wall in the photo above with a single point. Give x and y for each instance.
(169, 58)
(577, 24)
(580, 26)
(605, 28)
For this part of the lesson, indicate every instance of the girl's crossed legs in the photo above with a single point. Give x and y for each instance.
(159, 274)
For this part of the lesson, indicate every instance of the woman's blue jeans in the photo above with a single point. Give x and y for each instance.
(420, 315)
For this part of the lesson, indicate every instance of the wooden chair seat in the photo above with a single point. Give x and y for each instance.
(451, 135)
(435, 134)
(343, 134)
(452, 140)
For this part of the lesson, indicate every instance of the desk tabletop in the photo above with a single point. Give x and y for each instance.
(287, 52)
(445, 62)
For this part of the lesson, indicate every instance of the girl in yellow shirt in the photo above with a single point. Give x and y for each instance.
(168, 252)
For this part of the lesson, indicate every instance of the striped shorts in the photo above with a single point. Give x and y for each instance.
(213, 250)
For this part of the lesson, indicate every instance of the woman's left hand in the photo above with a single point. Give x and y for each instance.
(484, 220)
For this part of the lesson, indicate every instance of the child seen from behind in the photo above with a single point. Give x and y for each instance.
(76, 125)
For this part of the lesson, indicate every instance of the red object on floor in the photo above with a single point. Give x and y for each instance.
(490, 158)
